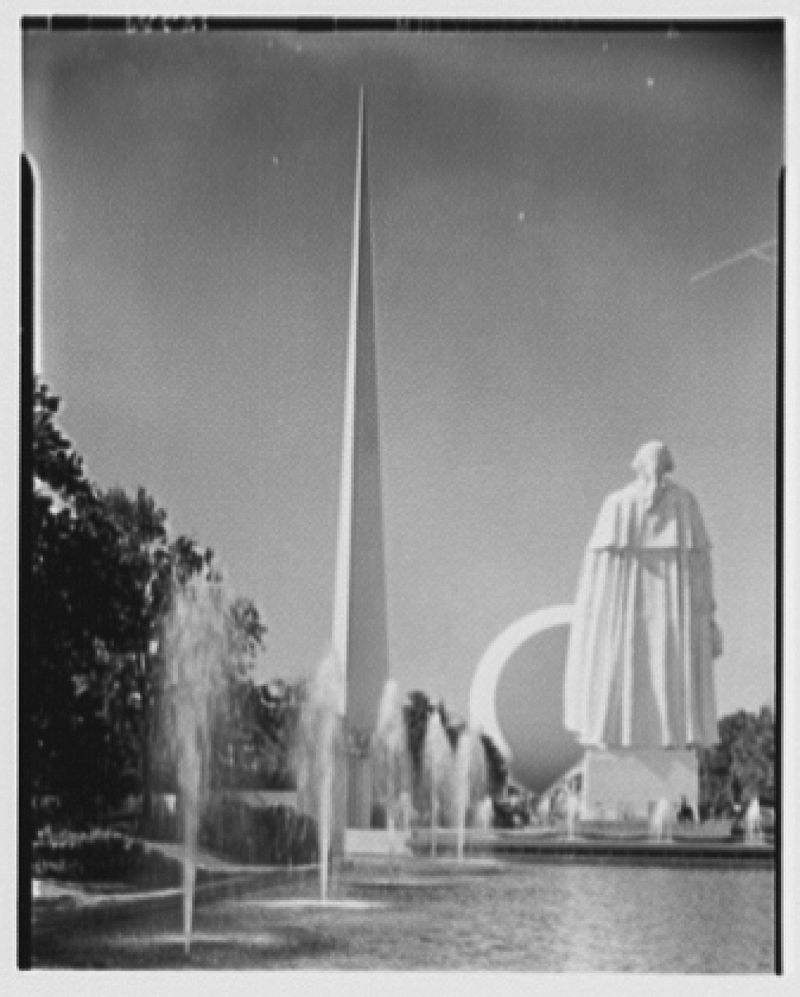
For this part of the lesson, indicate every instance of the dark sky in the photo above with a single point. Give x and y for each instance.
(540, 204)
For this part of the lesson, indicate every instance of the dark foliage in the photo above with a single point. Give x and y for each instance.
(77, 598)
(275, 835)
(102, 857)
(416, 713)
(496, 766)
(742, 765)
(452, 724)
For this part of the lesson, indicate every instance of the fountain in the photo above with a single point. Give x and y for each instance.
(319, 722)
(405, 809)
(660, 820)
(194, 650)
(389, 758)
(477, 777)
(477, 767)
(462, 772)
(469, 783)
(484, 813)
(437, 760)
(544, 807)
(753, 825)
(573, 806)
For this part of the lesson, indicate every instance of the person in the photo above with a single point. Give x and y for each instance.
(643, 638)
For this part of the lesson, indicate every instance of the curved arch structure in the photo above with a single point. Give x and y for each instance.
(517, 697)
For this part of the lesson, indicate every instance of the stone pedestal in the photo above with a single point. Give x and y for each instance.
(376, 841)
(627, 783)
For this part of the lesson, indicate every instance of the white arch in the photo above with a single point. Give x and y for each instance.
(482, 707)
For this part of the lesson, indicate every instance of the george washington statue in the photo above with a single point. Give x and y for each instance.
(639, 663)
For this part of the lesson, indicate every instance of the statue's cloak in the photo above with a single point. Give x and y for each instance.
(639, 664)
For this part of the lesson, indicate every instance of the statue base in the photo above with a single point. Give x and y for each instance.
(628, 783)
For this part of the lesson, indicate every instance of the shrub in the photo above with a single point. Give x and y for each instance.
(101, 856)
(276, 835)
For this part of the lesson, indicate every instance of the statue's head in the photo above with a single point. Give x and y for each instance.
(651, 463)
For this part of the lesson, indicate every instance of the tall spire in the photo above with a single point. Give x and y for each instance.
(359, 610)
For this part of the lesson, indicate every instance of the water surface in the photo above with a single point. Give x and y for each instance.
(429, 915)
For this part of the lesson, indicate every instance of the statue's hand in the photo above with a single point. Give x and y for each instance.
(717, 643)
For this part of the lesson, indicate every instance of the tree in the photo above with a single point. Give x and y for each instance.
(257, 741)
(241, 741)
(496, 766)
(246, 639)
(742, 764)
(74, 621)
(144, 564)
(416, 713)
(452, 724)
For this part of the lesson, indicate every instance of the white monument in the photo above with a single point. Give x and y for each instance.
(359, 606)
(639, 685)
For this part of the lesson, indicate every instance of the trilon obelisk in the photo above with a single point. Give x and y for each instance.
(359, 610)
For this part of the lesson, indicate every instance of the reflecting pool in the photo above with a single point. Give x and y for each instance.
(439, 915)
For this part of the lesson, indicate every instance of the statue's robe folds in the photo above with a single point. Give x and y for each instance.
(639, 664)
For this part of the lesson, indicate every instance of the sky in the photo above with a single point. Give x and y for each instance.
(540, 205)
